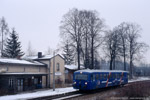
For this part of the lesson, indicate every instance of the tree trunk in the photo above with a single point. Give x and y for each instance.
(78, 50)
(131, 67)
(111, 62)
(124, 54)
(92, 54)
(114, 64)
(86, 54)
(2, 44)
(124, 61)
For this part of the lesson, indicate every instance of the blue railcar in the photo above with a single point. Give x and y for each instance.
(95, 79)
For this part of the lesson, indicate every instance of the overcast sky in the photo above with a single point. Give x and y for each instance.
(38, 21)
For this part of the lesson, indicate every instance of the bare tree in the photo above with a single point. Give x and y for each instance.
(96, 25)
(30, 51)
(3, 31)
(86, 42)
(111, 46)
(122, 29)
(135, 47)
(83, 27)
(71, 25)
(49, 51)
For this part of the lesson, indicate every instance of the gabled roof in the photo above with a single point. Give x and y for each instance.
(44, 57)
(23, 73)
(73, 67)
(20, 62)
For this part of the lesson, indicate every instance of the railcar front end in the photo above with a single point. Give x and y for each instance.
(81, 81)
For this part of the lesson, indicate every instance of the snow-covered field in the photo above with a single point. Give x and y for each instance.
(50, 92)
(139, 79)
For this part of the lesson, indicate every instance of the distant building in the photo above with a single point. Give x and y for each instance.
(69, 70)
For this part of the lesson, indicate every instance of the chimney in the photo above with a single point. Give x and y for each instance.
(39, 54)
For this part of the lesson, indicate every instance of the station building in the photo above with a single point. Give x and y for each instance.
(33, 73)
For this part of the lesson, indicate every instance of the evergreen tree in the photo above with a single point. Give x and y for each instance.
(68, 53)
(13, 46)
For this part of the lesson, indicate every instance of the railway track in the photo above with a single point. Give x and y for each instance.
(75, 94)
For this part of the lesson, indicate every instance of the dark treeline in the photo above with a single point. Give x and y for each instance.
(87, 35)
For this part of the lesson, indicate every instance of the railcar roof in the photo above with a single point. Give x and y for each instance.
(92, 71)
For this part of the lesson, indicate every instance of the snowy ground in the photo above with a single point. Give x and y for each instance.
(43, 93)
(50, 92)
(139, 79)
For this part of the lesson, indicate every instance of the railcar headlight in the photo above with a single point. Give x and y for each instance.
(85, 83)
(74, 82)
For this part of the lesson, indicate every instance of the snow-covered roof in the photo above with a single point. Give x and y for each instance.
(73, 67)
(91, 71)
(17, 61)
(43, 57)
(23, 73)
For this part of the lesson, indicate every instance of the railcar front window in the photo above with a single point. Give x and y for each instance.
(81, 77)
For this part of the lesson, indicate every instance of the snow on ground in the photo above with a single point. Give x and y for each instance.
(50, 92)
(42, 93)
(139, 79)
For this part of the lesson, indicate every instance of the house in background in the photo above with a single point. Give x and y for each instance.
(20, 75)
(69, 70)
(51, 61)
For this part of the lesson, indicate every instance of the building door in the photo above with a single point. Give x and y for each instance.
(20, 84)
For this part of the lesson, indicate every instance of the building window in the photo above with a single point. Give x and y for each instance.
(11, 82)
(24, 69)
(58, 67)
(39, 69)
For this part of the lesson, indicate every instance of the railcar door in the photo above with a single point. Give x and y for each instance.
(125, 78)
(93, 81)
(97, 80)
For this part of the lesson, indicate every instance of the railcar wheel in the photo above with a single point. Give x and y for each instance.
(121, 85)
(81, 90)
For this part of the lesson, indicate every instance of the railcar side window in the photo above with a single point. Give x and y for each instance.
(105, 76)
(81, 77)
(110, 76)
(116, 75)
(101, 76)
(91, 77)
(94, 77)
(97, 77)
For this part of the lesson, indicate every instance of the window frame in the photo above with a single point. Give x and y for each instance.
(58, 67)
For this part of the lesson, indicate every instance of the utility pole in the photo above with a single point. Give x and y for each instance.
(54, 71)
(49, 74)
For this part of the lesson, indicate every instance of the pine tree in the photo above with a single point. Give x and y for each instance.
(68, 53)
(13, 46)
